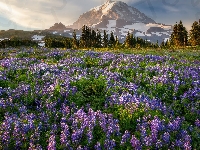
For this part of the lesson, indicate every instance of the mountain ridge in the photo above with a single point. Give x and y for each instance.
(115, 10)
(119, 18)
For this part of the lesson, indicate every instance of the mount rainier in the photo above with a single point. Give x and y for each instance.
(119, 18)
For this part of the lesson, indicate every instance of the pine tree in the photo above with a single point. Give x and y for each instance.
(83, 37)
(88, 37)
(132, 41)
(98, 40)
(75, 41)
(93, 38)
(174, 35)
(112, 40)
(195, 34)
(182, 34)
(116, 42)
(162, 45)
(179, 36)
(128, 40)
(105, 39)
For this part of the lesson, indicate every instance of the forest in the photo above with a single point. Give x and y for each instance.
(90, 38)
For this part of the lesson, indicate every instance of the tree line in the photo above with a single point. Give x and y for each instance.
(58, 42)
(17, 42)
(180, 37)
(90, 38)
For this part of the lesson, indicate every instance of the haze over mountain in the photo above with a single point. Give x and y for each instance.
(40, 15)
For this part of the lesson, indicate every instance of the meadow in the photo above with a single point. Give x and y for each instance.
(80, 99)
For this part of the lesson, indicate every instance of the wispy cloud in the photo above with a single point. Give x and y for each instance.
(171, 8)
(42, 14)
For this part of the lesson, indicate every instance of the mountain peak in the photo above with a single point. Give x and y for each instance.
(57, 27)
(119, 18)
(111, 10)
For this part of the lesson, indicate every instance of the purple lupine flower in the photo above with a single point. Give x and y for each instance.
(166, 137)
(125, 137)
(159, 144)
(148, 141)
(187, 146)
(89, 136)
(135, 143)
(197, 123)
(109, 144)
(77, 135)
(175, 124)
(52, 143)
(98, 146)
(64, 136)
(179, 143)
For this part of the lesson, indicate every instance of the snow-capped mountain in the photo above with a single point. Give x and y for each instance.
(112, 10)
(118, 17)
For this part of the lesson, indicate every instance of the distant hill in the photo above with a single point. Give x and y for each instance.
(21, 34)
(58, 27)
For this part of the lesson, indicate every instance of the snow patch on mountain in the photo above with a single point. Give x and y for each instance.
(118, 17)
(107, 7)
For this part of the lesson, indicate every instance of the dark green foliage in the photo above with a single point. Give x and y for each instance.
(90, 62)
(112, 40)
(105, 39)
(17, 42)
(179, 36)
(58, 42)
(75, 43)
(90, 91)
(195, 34)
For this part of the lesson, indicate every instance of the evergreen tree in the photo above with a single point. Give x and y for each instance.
(162, 45)
(93, 38)
(116, 42)
(174, 35)
(75, 41)
(83, 37)
(179, 36)
(195, 34)
(132, 41)
(112, 40)
(105, 39)
(167, 44)
(128, 40)
(98, 40)
(88, 37)
(182, 34)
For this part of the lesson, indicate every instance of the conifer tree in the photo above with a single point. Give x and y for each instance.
(83, 37)
(93, 38)
(167, 44)
(179, 36)
(105, 39)
(162, 45)
(112, 39)
(182, 34)
(75, 41)
(174, 35)
(132, 41)
(128, 40)
(116, 42)
(88, 37)
(98, 40)
(195, 34)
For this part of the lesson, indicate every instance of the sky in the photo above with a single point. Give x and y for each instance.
(42, 14)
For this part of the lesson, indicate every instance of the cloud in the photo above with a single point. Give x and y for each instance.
(41, 14)
(171, 9)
